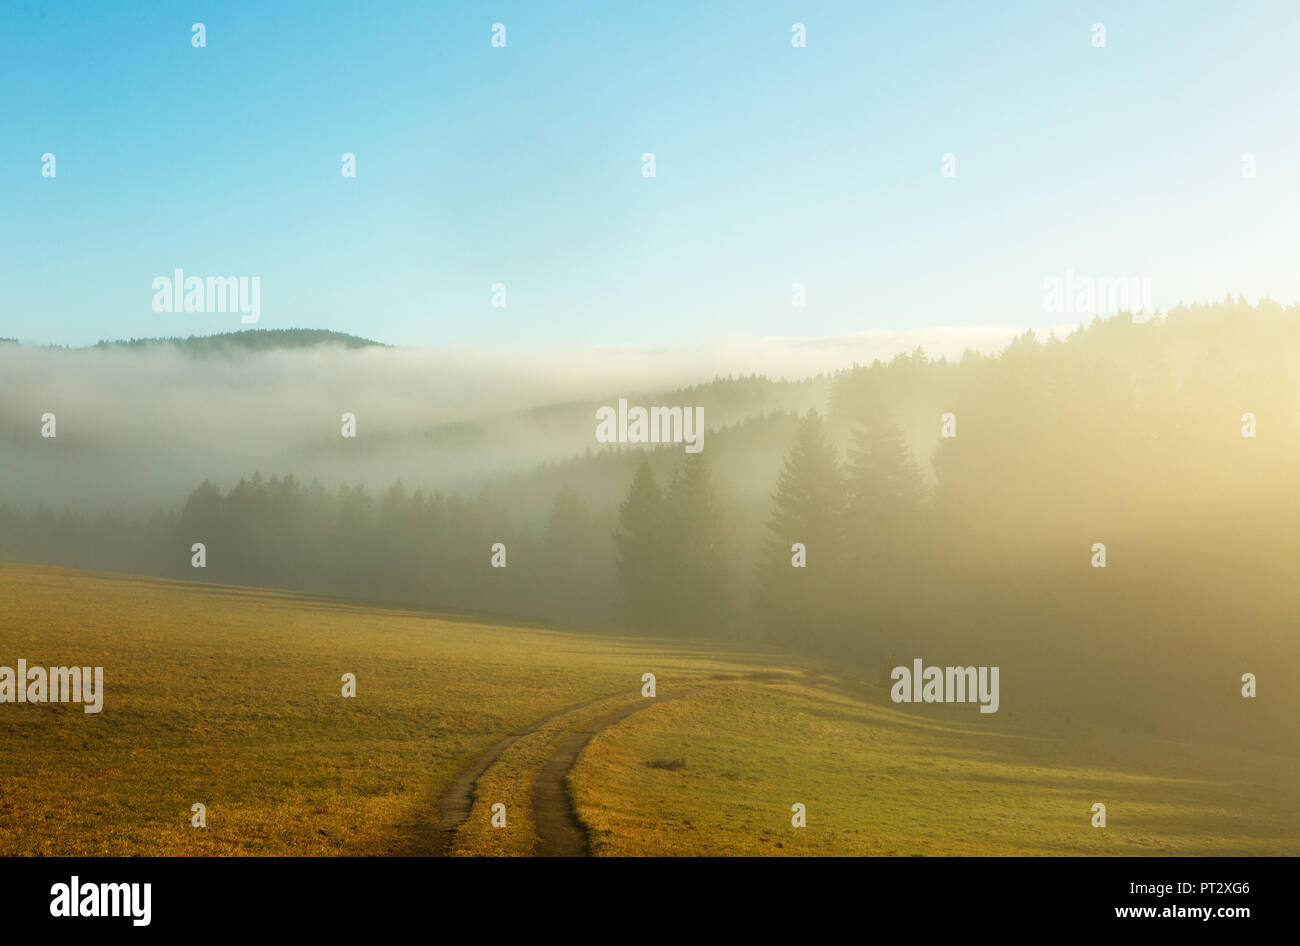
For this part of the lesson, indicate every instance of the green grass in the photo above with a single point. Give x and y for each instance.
(718, 772)
(509, 781)
(231, 697)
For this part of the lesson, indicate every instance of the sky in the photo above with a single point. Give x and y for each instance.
(522, 165)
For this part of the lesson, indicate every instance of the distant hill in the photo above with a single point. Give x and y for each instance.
(249, 340)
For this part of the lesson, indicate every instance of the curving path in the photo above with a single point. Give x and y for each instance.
(559, 831)
(456, 803)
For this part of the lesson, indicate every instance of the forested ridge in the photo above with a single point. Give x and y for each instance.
(245, 340)
(975, 549)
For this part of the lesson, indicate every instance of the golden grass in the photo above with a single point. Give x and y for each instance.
(231, 697)
(718, 772)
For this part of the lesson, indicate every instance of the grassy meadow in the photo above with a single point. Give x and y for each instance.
(718, 774)
(231, 697)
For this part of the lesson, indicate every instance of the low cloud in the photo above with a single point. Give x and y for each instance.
(139, 428)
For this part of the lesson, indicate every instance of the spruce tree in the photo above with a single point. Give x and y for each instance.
(885, 485)
(699, 572)
(800, 603)
(886, 491)
(642, 550)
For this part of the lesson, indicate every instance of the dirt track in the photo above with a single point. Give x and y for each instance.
(559, 832)
(457, 801)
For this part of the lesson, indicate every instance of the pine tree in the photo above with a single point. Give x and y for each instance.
(698, 572)
(885, 485)
(796, 604)
(886, 491)
(642, 550)
(567, 567)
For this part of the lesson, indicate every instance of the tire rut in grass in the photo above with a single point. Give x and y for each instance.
(457, 801)
(560, 832)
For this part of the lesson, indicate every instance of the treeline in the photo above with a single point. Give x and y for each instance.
(859, 535)
(1113, 522)
(245, 340)
(399, 547)
(258, 339)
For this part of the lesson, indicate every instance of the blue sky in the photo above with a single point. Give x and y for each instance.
(521, 165)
